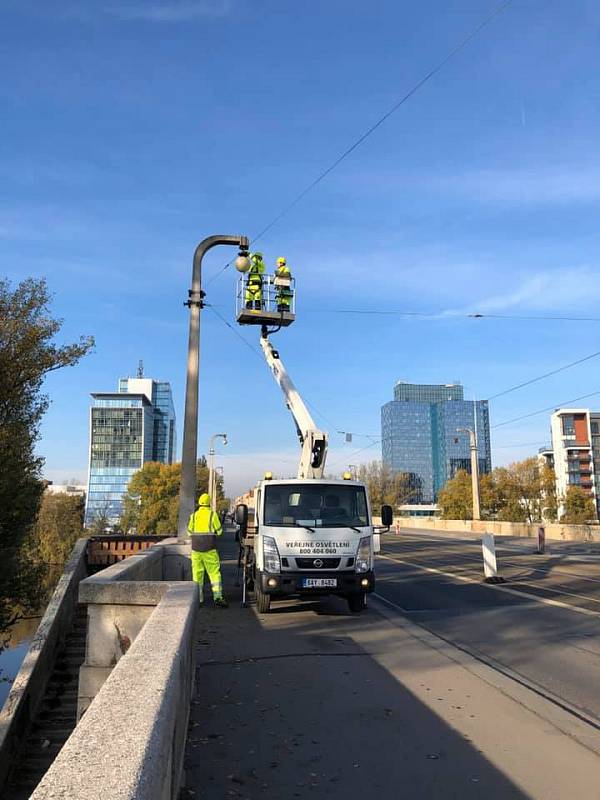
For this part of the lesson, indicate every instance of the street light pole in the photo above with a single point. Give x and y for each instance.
(474, 469)
(212, 484)
(187, 493)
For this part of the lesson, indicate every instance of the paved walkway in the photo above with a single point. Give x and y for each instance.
(311, 702)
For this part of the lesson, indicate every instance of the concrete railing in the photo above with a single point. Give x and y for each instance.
(130, 742)
(119, 600)
(135, 686)
(30, 684)
(587, 533)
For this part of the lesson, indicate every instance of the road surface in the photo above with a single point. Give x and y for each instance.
(438, 690)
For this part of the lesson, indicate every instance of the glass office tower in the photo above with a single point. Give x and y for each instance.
(420, 439)
(127, 429)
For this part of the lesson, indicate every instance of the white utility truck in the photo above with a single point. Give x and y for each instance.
(311, 536)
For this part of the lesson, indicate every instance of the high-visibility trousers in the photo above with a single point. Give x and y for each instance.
(207, 562)
(254, 293)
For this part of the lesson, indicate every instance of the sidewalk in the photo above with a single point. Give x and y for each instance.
(310, 702)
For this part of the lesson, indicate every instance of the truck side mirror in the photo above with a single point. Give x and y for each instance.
(387, 516)
(241, 516)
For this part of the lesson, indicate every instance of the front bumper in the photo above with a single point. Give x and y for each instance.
(292, 582)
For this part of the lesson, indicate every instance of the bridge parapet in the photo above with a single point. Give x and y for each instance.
(130, 742)
(136, 682)
(119, 601)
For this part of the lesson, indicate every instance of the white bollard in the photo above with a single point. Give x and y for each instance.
(490, 567)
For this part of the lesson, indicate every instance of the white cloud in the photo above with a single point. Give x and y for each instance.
(568, 289)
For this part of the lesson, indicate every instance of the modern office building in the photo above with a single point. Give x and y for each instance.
(420, 435)
(575, 452)
(129, 427)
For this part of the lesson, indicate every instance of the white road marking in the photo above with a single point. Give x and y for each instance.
(497, 587)
(499, 548)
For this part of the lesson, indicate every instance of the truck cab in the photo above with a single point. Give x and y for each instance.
(311, 538)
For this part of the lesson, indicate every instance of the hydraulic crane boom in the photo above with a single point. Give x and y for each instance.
(313, 440)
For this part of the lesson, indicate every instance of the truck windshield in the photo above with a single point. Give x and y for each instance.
(319, 505)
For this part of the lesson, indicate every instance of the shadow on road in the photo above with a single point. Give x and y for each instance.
(290, 706)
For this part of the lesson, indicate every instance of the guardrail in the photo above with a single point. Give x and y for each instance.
(108, 549)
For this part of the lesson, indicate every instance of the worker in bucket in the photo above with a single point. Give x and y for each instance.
(283, 280)
(254, 282)
(204, 527)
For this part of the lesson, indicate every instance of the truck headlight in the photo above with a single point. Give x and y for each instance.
(271, 558)
(363, 555)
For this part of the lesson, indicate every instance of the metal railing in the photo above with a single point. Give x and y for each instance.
(270, 293)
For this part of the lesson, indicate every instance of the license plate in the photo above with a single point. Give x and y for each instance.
(318, 583)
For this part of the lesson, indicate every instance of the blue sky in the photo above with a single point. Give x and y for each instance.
(130, 130)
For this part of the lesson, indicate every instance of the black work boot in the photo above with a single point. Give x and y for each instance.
(220, 602)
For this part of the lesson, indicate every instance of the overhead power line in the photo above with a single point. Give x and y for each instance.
(235, 331)
(365, 135)
(446, 315)
(548, 408)
(545, 375)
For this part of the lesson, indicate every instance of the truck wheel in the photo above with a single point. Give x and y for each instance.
(263, 601)
(357, 602)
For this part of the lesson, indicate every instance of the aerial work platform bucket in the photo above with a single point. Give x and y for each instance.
(268, 308)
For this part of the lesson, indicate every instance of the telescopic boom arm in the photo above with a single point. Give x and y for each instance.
(313, 440)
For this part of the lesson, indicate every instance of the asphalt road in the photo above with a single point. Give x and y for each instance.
(313, 702)
(545, 629)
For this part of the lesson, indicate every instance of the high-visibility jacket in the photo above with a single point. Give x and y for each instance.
(204, 527)
(283, 271)
(256, 272)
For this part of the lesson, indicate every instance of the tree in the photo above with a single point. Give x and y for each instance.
(549, 499)
(455, 500)
(386, 487)
(57, 528)
(579, 507)
(519, 491)
(151, 505)
(101, 521)
(28, 353)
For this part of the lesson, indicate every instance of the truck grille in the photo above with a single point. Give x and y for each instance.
(317, 563)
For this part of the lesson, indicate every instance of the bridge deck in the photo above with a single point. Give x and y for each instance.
(311, 702)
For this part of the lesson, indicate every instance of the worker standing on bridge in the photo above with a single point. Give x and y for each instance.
(254, 282)
(283, 281)
(204, 527)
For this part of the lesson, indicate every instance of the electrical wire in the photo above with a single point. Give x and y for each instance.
(444, 315)
(542, 410)
(365, 135)
(260, 356)
(545, 375)
(352, 455)
(236, 332)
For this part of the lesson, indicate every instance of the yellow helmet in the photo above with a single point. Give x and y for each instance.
(281, 262)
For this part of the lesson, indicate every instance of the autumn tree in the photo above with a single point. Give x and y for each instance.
(28, 352)
(58, 526)
(151, 505)
(455, 500)
(579, 507)
(387, 487)
(549, 500)
(519, 489)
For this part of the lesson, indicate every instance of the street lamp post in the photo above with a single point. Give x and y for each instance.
(218, 471)
(212, 483)
(474, 469)
(187, 493)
